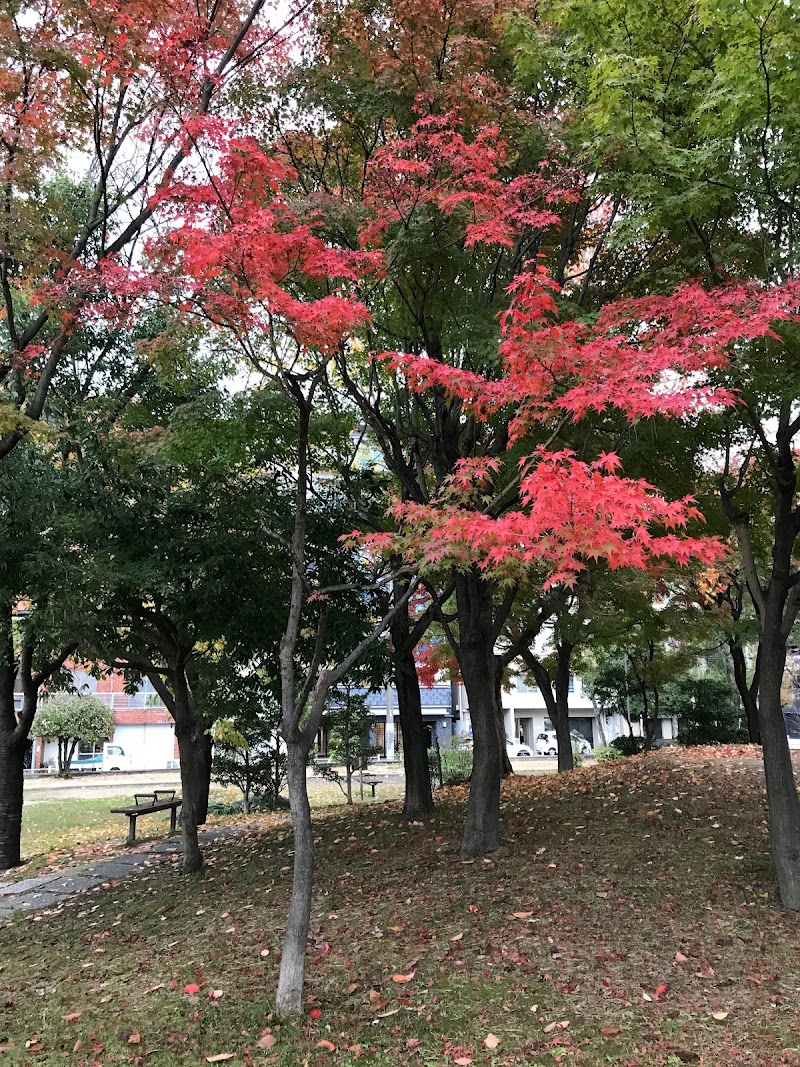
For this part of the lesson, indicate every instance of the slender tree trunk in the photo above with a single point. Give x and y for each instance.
(289, 1000)
(418, 802)
(748, 692)
(505, 761)
(556, 699)
(783, 802)
(477, 662)
(12, 764)
(566, 759)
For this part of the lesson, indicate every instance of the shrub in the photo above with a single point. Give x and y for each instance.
(604, 753)
(455, 763)
(628, 746)
(711, 734)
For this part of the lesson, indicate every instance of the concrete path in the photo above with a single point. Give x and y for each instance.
(49, 890)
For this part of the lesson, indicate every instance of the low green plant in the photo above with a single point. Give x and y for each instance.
(628, 746)
(455, 765)
(604, 753)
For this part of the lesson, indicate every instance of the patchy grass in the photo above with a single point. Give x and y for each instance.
(74, 829)
(63, 824)
(631, 904)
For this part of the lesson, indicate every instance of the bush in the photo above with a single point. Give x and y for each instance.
(456, 766)
(628, 746)
(711, 734)
(604, 753)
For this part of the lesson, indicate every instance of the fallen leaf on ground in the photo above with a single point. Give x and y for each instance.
(491, 1041)
(386, 1014)
(192, 987)
(329, 1045)
(220, 1056)
(216, 994)
(609, 1031)
(680, 958)
(403, 977)
(71, 1016)
(457, 937)
(316, 1013)
(550, 1028)
(522, 914)
(267, 1040)
(135, 1038)
(719, 1015)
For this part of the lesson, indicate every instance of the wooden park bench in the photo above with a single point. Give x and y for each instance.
(146, 804)
(371, 780)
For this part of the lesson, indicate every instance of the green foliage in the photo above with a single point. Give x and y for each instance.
(628, 745)
(251, 758)
(450, 766)
(71, 718)
(605, 753)
(708, 709)
(349, 722)
(577, 758)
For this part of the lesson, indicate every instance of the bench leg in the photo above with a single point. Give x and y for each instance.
(373, 784)
(173, 820)
(131, 830)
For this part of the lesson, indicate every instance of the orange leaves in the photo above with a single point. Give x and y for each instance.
(400, 978)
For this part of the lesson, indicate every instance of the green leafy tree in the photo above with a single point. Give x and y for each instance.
(72, 719)
(689, 113)
(350, 746)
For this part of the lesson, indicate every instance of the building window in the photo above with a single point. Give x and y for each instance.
(571, 684)
(379, 738)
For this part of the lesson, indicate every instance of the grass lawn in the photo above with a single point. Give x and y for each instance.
(629, 919)
(56, 825)
(75, 828)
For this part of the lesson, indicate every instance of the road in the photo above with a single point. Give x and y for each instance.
(114, 783)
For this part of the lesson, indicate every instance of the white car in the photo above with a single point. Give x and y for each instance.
(547, 745)
(514, 749)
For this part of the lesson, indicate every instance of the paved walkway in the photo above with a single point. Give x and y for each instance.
(50, 890)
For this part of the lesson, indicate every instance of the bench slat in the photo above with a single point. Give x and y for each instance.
(143, 809)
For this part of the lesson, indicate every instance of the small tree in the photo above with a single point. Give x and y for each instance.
(70, 718)
(349, 743)
(250, 757)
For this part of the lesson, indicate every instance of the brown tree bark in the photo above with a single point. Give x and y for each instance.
(555, 692)
(477, 662)
(748, 691)
(418, 802)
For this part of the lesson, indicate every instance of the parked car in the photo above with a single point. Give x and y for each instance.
(515, 749)
(547, 745)
(112, 758)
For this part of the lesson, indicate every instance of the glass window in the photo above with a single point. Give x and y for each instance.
(379, 740)
(88, 749)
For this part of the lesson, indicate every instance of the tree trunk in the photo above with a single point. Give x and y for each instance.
(505, 761)
(194, 746)
(289, 1000)
(12, 764)
(556, 699)
(476, 659)
(566, 759)
(783, 803)
(418, 802)
(747, 692)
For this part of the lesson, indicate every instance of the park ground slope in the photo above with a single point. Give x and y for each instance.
(629, 919)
